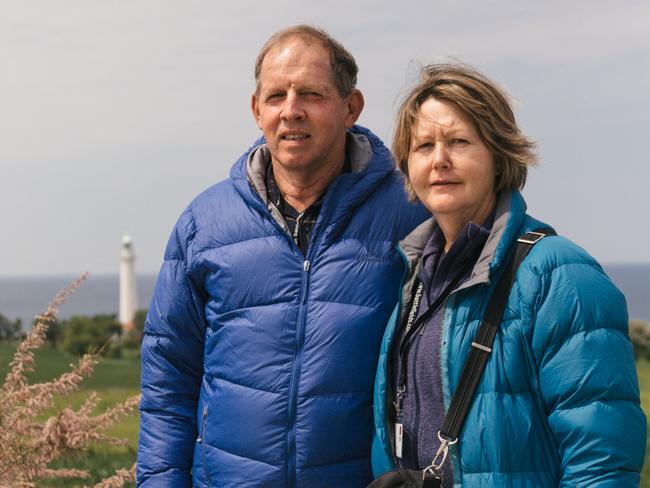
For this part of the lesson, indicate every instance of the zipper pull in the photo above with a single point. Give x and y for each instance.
(305, 265)
(205, 414)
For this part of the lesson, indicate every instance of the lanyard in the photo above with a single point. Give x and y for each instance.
(413, 326)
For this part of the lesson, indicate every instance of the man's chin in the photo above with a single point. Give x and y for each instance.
(292, 162)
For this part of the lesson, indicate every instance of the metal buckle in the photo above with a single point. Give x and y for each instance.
(435, 468)
(481, 347)
(539, 237)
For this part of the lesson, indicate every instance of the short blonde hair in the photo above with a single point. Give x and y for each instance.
(344, 67)
(486, 105)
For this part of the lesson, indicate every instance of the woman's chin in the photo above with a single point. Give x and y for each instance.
(442, 206)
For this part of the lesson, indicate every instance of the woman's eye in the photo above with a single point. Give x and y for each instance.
(458, 142)
(425, 146)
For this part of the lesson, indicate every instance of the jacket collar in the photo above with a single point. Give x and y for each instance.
(370, 163)
(508, 218)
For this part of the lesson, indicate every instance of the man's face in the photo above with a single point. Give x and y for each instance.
(299, 109)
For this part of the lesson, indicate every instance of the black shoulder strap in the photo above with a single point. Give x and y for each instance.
(482, 345)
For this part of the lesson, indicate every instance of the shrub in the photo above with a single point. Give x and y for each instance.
(131, 341)
(114, 349)
(30, 444)
(640, 336)
(54, 333)
(84, 334)
(9, 329)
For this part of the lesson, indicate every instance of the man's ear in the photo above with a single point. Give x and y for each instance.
(355, 104)
(255, 108)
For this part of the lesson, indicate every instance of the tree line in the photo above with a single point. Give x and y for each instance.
(80, 334)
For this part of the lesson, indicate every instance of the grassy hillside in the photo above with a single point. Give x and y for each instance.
(116, 379)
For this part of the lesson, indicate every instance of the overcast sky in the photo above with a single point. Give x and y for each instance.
(114, 115)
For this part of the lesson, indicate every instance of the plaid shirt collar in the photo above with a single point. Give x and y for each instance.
(300, 224)
(275, 195)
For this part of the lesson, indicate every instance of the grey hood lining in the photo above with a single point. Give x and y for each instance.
(413, 245)
(357, 145)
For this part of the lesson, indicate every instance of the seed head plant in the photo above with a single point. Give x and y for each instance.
(30, 443)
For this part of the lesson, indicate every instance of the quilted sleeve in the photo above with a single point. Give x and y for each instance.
(587, 374)
(172, 368)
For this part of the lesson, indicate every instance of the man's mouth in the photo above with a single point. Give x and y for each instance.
(295, 137)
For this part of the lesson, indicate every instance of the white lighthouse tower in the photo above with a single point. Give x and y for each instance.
(128, 295)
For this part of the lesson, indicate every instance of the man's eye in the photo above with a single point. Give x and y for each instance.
(311, 94)
(274, 96)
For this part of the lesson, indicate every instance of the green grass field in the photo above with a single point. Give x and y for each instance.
(116, 379)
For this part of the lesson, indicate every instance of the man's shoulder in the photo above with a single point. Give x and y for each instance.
(217, 190)
(227, 189)
(221, 198)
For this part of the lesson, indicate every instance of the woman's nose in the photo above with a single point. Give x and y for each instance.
(441, 155)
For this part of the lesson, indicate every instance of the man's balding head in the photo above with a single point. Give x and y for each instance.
(344, 67)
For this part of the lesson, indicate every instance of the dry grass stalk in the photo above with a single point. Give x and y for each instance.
(23, 361)
(118, 479)
(30, 445)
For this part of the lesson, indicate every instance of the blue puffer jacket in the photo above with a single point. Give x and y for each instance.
(258, 363)
(558, 404)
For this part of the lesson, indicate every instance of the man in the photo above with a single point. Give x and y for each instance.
(262, 338)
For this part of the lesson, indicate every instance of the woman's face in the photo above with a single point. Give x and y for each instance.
(452, 171)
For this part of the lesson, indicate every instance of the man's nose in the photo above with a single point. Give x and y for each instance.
(292, 108)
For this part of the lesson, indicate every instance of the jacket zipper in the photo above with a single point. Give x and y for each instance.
(444, 373)
(300, 337)
(293, 387)
(202, 441)
(300, 330)
(388, 405)
(388, 401)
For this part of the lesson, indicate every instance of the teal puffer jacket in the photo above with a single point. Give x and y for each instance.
(558, 404)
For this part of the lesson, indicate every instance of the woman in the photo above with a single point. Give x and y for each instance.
(558, 402)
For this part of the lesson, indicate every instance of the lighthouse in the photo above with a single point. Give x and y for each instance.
(128, 296)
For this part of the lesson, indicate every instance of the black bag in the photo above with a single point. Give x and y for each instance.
(407, 478)
(461, 401)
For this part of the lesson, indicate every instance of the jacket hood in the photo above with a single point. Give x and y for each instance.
(509, 217)
(371, 162)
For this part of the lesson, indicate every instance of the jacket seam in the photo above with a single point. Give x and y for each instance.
(316, 395)
(207, 248)
(527, 263)
(212, 376)
(269, 304)
(208, 444)
(345, 303)
(335, 462)
(584, 404)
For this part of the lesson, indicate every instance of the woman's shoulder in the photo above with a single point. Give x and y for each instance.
(554, 252)
(559, 277)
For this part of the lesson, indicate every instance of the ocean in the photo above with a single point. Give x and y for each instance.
(25, 297)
